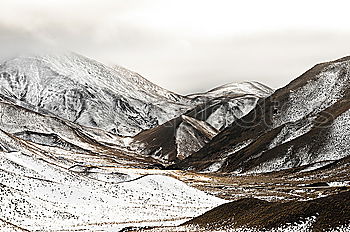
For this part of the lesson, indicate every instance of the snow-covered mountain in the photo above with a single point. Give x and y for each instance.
(89, 93)
(26, 131)
(64, 162)
(82, 145)
(301, 125)
(59, 175)
(116, 100)
(182, 136)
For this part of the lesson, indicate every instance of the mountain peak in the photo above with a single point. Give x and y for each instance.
(235, 89)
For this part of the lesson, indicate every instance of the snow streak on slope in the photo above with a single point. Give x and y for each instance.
(191, 135)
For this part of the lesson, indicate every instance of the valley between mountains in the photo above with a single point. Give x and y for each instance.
(88, 147)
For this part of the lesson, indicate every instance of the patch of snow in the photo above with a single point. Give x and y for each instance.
(339, 183)
(214, 167)
(342, 228)
(316, 166)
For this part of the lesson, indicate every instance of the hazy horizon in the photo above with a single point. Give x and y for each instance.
(185, 46)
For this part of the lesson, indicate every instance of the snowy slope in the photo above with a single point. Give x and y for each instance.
(57, 175)
(42, 195)
(65, 140)
(87, 92)
(236, 89)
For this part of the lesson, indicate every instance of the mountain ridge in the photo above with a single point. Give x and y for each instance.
(298, 101)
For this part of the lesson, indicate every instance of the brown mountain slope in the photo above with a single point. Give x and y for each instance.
(329, 212)
(302, 120)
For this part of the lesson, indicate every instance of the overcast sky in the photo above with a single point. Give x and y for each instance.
(186, 45)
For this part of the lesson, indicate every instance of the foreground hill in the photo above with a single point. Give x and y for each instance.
(44, 193)
(314, 215)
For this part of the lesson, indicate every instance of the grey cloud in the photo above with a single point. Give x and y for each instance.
(181, 61)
